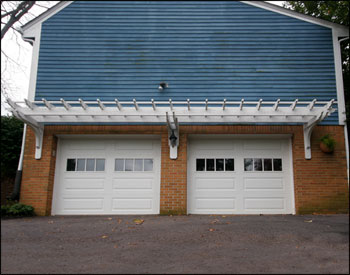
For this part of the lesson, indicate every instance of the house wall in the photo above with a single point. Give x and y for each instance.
(320, 184)
(213, 50)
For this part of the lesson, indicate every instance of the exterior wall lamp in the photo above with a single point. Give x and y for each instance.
(163, 85)
(172, 139)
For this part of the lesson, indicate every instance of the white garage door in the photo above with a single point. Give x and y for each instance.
(240, 176)
(107, 176)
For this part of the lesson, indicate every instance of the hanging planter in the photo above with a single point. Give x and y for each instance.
(327, 144)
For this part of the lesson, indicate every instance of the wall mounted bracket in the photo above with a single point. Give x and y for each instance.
(173, 130)
(37, 127)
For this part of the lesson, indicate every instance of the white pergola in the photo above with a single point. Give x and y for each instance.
(173, 113)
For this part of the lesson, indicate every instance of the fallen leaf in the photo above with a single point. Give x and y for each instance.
(308, 221)
(138, 221)
(228, 223)
(109, 219)
(116, 246)
(211, 229)
(120, 220)
(50, 222)
(131, 227)
(214, 221)
(223, 216)
(104, 237)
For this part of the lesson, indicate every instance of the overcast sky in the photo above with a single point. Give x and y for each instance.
(17, 76)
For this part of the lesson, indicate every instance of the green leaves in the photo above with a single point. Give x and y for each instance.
(17, 209)
(11, 141)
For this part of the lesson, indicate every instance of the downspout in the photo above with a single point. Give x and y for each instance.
(346, 130)
(18, 179)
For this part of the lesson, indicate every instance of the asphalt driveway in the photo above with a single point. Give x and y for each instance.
(176, 244)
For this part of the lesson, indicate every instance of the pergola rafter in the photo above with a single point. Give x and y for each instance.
(39, 113)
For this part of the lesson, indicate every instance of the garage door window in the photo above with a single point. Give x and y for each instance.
(215, 165)
(82, 164)
(258, 164)
(137, 165)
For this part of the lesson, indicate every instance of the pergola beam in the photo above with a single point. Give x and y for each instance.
(39, 113)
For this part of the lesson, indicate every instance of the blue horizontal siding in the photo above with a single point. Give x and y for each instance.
(214, 50)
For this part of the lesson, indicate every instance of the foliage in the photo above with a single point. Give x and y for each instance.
(328, 141)
(11, 142)
(337, 12)
(4, 210)
(17, 210)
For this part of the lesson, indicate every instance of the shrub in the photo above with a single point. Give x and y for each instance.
(11, 142)
(17, 210)
(4, 210)
(328, 141)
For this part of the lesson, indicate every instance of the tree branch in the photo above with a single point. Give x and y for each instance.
(21, 10)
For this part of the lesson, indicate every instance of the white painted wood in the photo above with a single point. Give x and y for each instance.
(30, 105)
(307, 113)
(65, 104)
(339, 78)
(136, 105)
(240, 192)
(258, 106)
(102, 106)
(241, 105)
(119, 106)
(312, 104)
(107, 192)
(83, 104)
(36, 35)
(294, 105)
(275, 107)
(48, 104)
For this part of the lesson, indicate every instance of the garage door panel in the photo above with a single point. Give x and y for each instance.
(215, 204)
(83, 204)
(262, 145)
(85, 145)
(83, 183)
(132, 204)
(264, 203)
(133, 145)
(209, 145)
(263, 183)
(134, 183)
(215, 183)
(143, 193)
(211, 194)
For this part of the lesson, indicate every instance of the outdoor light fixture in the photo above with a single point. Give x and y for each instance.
(163, 85)
(172, 139)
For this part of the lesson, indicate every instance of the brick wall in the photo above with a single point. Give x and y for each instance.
(320, 183)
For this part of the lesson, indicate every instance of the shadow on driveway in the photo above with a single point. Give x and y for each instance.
(176, 244)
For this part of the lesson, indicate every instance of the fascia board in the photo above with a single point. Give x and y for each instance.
(28, 29)
(341, 30)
